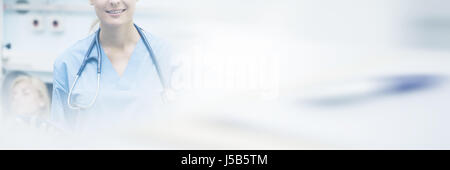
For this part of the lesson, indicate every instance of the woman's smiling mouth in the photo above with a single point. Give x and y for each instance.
(115, 12)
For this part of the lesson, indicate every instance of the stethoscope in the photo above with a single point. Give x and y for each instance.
(96, 43)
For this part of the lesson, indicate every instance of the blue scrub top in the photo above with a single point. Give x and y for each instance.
(137, 91)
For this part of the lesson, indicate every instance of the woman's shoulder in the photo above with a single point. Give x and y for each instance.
(155, 40)
(76, 52)
(161, 46)
(164, 53)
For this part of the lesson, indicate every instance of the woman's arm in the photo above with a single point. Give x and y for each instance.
(61, 114)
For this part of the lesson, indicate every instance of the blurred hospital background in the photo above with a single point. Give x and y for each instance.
(254, 74)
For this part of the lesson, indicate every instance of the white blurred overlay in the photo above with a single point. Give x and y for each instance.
(287, 74)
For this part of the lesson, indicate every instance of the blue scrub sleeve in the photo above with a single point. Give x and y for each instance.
(61, 114)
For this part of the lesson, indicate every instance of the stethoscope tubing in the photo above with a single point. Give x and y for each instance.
(96, 43)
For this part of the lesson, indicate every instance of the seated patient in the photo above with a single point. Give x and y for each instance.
(29, 101)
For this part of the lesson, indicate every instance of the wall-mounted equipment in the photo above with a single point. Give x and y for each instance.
(37, 23)
(56, 24)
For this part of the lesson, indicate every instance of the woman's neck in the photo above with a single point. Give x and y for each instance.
(118, 36)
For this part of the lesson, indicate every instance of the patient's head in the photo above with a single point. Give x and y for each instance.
(29, 97)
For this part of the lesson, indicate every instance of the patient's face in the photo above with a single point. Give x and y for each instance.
(25, 99)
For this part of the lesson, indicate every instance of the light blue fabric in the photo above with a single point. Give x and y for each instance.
(137, 91)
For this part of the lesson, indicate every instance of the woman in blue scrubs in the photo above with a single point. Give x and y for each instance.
(129, 83)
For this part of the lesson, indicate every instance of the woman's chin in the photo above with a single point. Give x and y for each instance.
(116, 23)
